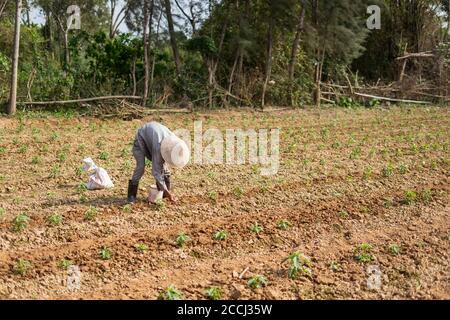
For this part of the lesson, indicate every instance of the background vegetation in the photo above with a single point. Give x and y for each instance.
(222, 53)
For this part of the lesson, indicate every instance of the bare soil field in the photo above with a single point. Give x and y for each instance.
(356, 190)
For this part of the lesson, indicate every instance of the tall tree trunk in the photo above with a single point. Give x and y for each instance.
(3, 6)
(294, 50)
(296, 43)
(173, 40)
(15, 61)
(318, 76)
(268, 61)
(66, 47)
(146, 60)
(231, 78)
(154, 56)
(115, 22)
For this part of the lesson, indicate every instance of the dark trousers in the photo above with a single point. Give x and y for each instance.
(139, 170)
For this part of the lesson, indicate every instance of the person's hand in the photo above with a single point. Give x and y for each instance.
(170, 196)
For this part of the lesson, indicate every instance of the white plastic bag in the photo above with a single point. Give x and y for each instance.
(99, 179)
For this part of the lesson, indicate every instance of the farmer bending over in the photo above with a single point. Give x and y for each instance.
(164, 149)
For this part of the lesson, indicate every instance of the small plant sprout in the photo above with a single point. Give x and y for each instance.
(54, 219)
(388, 202)
(171, 293)
(36, 160)
(83, 198)
(141, 247)
(105, 253)
(363, 253)
(256, 228)
(2, 212)
(82, 187)
(426, 196)
(343, 214)
(220, 235)
(388, 170)
(65, 264)
(394, 249)
(55, 171)
(20, 222)
(127, 208)
(402, 169)
(368, 172)
(62, 156)
(257, 281)
(213, 196)
(214, 293)
(103, 155)
(181, 239)
(335, 266)
(159, 204)
(298, 264)
(283, 225)
(90, 213)
(125, 152)
(410, 197)
(238, 192)
(22, 267)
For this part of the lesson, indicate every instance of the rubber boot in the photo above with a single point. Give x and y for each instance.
(132, 191)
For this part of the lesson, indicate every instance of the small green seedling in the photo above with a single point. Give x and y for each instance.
(214, 293)
(23, 149)
(410, 197)
(22, 267)
(55, 171)
(82, 187)
(256, 228)
(220, 235)
(335, 266)
(127, 208)
(363, 253)
(62, 156)
(388, 170)
(65, 264)
(2, 212)
(105, 253)
(298, 264)
(238, 192)
(257, 281)
(343, 214)
(283, 225)
(103, 155)
(394, 249)
(125, 152)
(141, 247)
(160, 204)
(90, 213)
(426, 196)
(36, 160)
(171, 293)
(402, 169)
(213, 196)
(20, 222)
(54, 219)
(181, 239)
(83, 198)
(388, 202)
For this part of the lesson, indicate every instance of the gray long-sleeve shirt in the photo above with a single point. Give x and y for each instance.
(149, 138)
